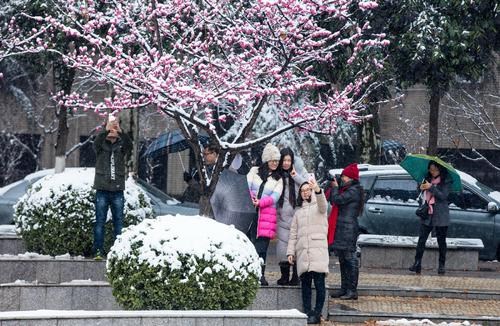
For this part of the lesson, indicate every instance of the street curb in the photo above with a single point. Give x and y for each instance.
(346, 316)
(428, 293)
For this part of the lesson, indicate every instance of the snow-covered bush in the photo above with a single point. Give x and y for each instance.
(182, 263)
(57, 214)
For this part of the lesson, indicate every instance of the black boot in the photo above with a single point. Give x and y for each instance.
(285, 273)
(350, 295)
(337, 293)
(416, 267)
(441, 269)
(295, 277)
(442, 258)
(263, 281)
(352, 270)
(313, 318)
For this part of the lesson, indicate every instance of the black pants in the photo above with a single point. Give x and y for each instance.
(261, 244)
(441, 239)
(319, 283)
(349, 269)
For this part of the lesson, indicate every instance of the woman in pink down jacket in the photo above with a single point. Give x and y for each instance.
(265, 186)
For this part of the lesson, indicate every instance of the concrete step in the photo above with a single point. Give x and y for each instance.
(11, 244)
(154, 318)
(369, 308)
(50, 270)
(96, 296)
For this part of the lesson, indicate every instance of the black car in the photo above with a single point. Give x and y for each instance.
(391, 200)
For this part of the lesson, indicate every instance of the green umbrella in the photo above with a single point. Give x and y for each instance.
(416, 165)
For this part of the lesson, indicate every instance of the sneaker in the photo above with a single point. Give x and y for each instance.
(98, 256)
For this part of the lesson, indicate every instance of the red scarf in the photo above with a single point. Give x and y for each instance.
(334, 214)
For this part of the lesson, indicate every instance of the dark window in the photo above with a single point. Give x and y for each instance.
(468, 200)
(17, 156)
(87, 153)
(394, 190)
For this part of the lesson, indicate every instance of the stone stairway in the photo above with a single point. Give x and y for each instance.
(65, 284)
(44, 290)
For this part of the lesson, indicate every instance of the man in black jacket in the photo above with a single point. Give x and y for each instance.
(111, 146)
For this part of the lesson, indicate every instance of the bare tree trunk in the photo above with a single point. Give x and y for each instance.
(369, 138)
(433, 120)
(63, 80)
(205, 206)
(129, 121)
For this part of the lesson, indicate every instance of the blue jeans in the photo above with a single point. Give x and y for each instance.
(103, 201)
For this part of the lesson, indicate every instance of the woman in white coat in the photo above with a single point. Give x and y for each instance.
(308, 247)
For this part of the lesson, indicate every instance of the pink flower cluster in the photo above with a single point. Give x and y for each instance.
(188, 57)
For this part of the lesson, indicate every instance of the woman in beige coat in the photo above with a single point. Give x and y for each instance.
(308, 247)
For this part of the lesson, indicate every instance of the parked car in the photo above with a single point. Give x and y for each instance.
(161, 202)
(391, 200)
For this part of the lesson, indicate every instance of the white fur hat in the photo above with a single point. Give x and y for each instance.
(270, 152)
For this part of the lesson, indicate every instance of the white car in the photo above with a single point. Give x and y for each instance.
(161, 202)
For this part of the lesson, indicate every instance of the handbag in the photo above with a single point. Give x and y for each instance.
(423, 209)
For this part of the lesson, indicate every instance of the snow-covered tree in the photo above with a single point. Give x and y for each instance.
(188, 58)
(434, 42)
(472, 117)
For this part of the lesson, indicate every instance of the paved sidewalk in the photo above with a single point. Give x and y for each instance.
(371, 306)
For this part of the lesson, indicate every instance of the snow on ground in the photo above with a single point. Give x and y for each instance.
(7, 229)
(414, 322)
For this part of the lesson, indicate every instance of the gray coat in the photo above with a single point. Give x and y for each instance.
(441, 210)
(349, 201)
(285, 216)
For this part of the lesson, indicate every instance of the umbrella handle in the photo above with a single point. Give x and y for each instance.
(182, 163)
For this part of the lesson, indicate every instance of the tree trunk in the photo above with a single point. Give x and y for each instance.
(433, 121)
(63, 81)
(205, 206)
(129, 122)
(369, 138)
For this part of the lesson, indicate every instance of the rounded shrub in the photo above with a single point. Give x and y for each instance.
(57, 214)
(183, 263)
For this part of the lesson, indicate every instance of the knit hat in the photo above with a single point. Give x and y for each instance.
(351, 171)
(270, 152)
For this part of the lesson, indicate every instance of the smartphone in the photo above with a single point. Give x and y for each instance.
(312, 177)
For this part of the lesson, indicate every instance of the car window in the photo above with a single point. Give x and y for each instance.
(467, 200)
(394, 190)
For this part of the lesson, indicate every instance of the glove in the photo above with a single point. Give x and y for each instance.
(187, 176)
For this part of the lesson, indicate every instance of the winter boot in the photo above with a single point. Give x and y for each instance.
(352, 281)
(337, 293)
(313, 318)
(285, 273)
(442, 260)
(416, 267)
(295, 277)
(263, 281)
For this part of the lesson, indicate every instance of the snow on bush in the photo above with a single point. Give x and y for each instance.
(57, 214)
(423, 322)
(183, 263)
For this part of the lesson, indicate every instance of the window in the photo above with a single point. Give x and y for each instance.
(467, 200)
(395, 190)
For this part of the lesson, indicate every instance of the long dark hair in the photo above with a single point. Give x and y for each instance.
(264, 172)
(443, 172)
(285, 174)
(300, 201)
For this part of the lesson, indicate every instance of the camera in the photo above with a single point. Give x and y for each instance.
(331, 177)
